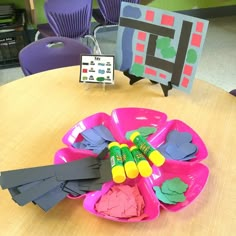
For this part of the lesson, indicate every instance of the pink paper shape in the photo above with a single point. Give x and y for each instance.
(188, 70)
(140, 47)
(196, 40)
(163, 76)
(167, 20)
(199, 26)
(138, 59)
(121, 201)
(138, 218)
(142, 35)
(150, 71)
(150, 15)
(185, 82)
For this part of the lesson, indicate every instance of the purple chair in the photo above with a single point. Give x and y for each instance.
(108, 13)
(44, 30)
(67, 18)
(51, 53)
(70, 18)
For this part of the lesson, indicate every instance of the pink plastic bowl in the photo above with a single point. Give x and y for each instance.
(193, 174)
(74, 134)
(152, 206)
(127, 119)
(160, 138)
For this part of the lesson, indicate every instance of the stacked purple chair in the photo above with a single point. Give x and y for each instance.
(70, 18)
(67, 18)
(51, 53)
(108, 13)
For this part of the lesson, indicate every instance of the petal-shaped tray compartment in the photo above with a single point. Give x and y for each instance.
(193, 174)
(131, 118)
(74, 134)
(67, 154)
(160, 138)
(152, 206)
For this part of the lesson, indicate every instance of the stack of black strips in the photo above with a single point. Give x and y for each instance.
(46, 186)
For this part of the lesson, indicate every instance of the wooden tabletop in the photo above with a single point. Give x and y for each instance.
(36, 111)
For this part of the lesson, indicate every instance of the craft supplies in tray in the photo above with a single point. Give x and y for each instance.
(172, 186)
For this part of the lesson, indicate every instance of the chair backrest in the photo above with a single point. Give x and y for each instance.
(110, 9)
(69, 18)
(51, 53)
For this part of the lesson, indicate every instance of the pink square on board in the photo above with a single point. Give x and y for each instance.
(140, 47)
(185, 82)
(150, 71)
(163, 76)
(199, 26)
(149, 15)
(188, 70)
(196, 40)
(85, 70)
(142, 35)
(167, 20)
(138, 59)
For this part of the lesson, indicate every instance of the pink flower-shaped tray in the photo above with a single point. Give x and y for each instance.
(121, 121)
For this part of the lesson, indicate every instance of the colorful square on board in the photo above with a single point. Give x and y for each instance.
(159, 45)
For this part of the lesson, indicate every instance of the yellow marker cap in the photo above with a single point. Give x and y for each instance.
(118, 174)
(131, 169)
(144, 168)
(113, 144)
(156, 158)
(123, 145)
(132, 148)
(134, 135)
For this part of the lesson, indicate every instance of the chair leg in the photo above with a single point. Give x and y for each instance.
(102, 26)
(96, 30)
(96, 49)
(36, 37)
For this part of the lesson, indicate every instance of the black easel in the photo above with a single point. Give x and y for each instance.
(134, 79)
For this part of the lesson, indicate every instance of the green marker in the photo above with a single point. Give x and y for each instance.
(144, 168)
(155, 156)
(130, 166)
(117, 168)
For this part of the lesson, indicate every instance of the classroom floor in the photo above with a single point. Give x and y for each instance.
(217, 64)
